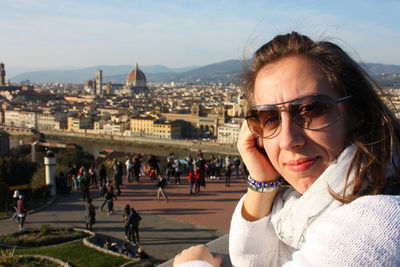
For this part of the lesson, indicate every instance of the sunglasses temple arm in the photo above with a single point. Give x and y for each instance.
(343, 98)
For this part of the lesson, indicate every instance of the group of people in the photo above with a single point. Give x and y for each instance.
(134, 168)
(131, 220)
(132, 252)
(83, 179)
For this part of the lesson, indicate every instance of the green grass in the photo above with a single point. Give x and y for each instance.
(34, 238)
(77, 255)
(32, 262)
(8, 213)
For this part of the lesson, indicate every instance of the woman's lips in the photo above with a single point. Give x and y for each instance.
(301, 164)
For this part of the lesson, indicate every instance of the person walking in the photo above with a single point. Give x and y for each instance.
(93, 175)
(133, 221)
(117, 167)
(73, 176)
(218, 166)
(212, 168)
(189, 163)
(85, 185)
(15, 198)
(109, 197)
(136, 167)
(228, 170)
(197, 173)
(236, 163)
(160, 185)
(90, 217)
(129, 170)
(170, 166)
(191, 181)
(108, 187)
(178, 171)
(80, 176)
(201, 163)
(22, 212)
(103, 178)
(125, 217)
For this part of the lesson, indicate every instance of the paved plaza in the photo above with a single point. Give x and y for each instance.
(166, 227)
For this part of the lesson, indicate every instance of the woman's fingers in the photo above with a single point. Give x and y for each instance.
(219, 259)
(254, 157)
(199, 252)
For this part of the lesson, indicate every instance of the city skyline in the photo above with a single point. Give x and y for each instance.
(42, 34)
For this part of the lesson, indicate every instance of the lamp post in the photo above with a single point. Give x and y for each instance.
(50, 167)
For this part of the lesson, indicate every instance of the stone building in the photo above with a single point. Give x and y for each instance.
(229, 132)
(200, 122)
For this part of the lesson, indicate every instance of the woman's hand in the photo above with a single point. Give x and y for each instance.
(200, 252)
(254, 156)
(256, 204)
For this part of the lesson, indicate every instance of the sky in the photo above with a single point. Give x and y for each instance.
(59, 34)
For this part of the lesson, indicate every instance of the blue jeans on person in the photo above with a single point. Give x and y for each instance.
(15, 216)
(75, 180)
(191, 187)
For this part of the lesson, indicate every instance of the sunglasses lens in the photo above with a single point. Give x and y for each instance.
(263, 121)
(314, 112)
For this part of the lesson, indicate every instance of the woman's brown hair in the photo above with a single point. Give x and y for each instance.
(373, 128)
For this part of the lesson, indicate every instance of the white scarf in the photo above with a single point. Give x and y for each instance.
(293, 215)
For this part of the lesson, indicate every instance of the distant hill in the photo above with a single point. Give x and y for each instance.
(376, 68)
(218, 72)
(83, 74)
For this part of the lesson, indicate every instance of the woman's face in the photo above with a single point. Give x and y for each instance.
(299, 155)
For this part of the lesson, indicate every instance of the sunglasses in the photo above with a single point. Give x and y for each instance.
(311, 112)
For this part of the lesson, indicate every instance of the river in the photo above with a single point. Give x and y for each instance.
(94, 147)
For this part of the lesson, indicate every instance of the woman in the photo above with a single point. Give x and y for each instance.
(317, 122)
(22, 212)
(90, 217)
(93, 175)
(178, 172)
(15, 198)
(109, 198)
(133, 221)
(103, 178)
(125, 217)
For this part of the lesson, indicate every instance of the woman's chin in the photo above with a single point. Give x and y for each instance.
(301, 185)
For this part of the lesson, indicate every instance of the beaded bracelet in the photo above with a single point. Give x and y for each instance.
(257, 186)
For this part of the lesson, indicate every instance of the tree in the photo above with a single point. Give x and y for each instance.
(79, 157)
(15, 171)
(4, 195)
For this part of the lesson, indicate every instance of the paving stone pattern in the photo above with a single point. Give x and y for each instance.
(166, 227)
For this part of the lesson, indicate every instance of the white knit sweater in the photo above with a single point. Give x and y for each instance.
(314, 230)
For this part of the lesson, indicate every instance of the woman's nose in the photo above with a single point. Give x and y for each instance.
(291, 135)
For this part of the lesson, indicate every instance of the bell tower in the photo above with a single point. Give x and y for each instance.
(2, 74)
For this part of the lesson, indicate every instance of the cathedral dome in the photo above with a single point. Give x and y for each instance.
(89, 83)
(136, 78)
(88, 86)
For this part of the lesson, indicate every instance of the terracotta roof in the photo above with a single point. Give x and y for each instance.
(136, 77)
